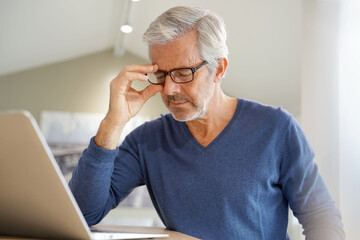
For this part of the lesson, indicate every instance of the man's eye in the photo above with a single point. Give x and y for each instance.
(183, 73)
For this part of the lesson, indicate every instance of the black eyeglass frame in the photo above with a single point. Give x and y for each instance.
(193, 70)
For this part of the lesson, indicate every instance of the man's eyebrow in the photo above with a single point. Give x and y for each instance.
(160, 70)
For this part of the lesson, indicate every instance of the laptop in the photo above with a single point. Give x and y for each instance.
(35, 200)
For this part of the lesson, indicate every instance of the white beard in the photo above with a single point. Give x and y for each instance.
(199, 113)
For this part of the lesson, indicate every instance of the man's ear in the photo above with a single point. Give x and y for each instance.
(222, 66)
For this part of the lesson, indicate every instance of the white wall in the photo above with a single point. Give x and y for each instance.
(319, 87)
(38, 32)
(349, 87)
(331, 99)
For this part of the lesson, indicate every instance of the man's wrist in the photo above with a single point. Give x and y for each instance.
(108, 135)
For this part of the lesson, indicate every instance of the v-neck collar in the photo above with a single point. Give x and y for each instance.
(213, 143)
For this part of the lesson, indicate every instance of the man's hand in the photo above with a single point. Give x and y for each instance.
(125, 103)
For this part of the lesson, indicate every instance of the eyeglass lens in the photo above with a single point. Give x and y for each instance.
(179, 76)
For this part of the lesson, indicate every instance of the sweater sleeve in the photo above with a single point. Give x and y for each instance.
(305, 189)
(103, 178)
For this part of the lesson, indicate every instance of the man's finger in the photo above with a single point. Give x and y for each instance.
(132, 76)
(144, 68)
(150, 91)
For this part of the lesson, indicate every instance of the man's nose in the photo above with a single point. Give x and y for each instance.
(170, 87)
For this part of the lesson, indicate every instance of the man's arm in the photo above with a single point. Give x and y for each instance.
(99, 182)
(306, 191)
(92, 182)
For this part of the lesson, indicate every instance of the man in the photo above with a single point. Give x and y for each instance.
(217, 167)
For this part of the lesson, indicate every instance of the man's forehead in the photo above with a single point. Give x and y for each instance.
(172, 62)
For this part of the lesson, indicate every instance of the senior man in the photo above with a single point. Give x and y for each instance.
(217, 167)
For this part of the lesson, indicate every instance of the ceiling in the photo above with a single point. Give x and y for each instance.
(264, 39)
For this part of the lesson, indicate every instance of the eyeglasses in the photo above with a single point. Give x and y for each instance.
(178, 75)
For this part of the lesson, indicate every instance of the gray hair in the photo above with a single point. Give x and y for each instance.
(176, 21)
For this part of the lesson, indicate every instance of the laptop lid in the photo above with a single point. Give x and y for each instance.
(35, 200)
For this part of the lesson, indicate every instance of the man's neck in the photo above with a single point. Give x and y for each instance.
(219, 113)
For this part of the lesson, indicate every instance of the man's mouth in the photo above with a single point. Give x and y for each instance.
(177, 103)
(176, 100)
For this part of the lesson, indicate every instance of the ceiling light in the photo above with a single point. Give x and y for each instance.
(126, 28)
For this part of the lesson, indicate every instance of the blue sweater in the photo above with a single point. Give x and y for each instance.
(238, 187)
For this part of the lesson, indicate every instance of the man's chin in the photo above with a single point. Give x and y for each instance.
(185, 117)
